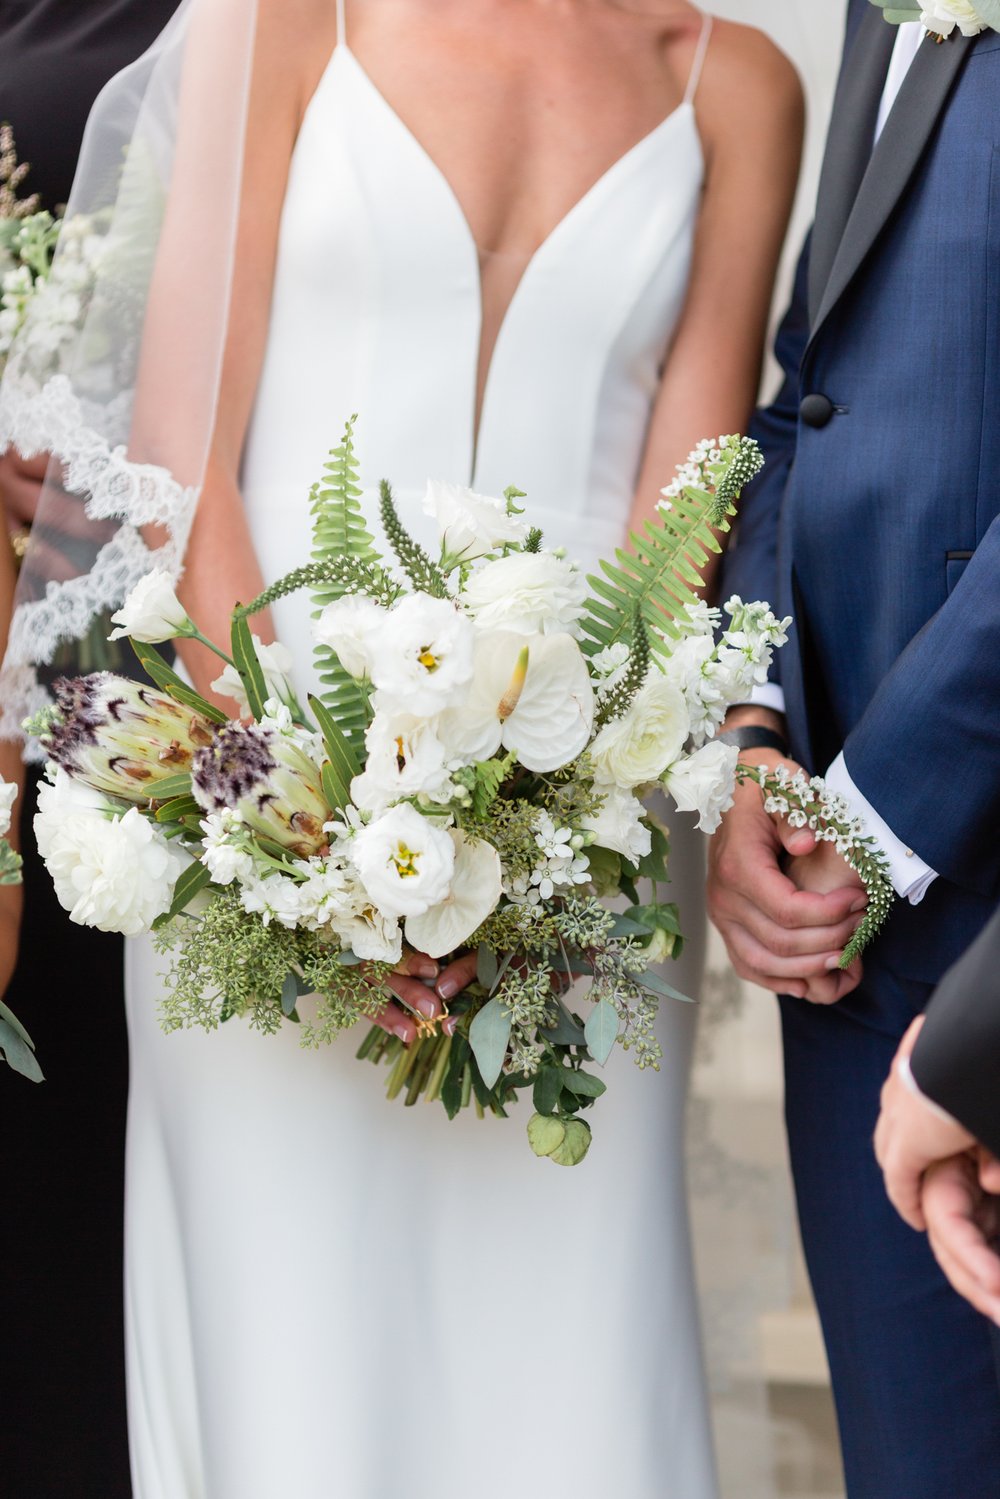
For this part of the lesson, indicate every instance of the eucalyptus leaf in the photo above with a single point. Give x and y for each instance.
(601, 1031)
(17, 1046)
(489, 1034)
(583, 1084)
(625, 927)
(487, 967)
(567, 1031)
(653, 981)
(548, 1089)
(289, 993)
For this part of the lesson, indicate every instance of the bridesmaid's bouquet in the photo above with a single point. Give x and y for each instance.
(471, 777)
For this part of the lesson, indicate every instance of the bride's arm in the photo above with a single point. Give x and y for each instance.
(750, 117)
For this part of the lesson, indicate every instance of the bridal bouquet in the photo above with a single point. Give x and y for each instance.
(15, 1043)
(470, 777)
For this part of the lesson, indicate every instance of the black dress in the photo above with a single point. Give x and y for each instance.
(62, 1384)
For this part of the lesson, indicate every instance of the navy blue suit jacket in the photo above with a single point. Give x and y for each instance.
(880, 531)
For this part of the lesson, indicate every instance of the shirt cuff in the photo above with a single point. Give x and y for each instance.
(765, 695)
(911, 877)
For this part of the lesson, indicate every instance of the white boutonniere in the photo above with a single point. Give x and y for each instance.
(941, 17)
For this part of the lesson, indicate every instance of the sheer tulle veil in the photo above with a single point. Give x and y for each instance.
(115, 373)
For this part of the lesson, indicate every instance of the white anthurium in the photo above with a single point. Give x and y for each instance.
(405, 861)
(531, 696)
(705, 782)
(636, 749)
(405, 758)
(471, 525)
(349, 626)
(527, 592)
(476, 888)
(152, 612)
(421, 656)
(275, 662)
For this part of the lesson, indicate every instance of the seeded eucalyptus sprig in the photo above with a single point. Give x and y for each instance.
(809, 803)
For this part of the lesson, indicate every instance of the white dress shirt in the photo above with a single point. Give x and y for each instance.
(910, 875)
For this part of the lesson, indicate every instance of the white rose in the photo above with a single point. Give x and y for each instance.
(8, 796)
(405, 758)
(635, 749)
(405, 862)
(476, 887)
(942, 16)
(421, 656)
(275, 662)
(152, 612)
(527, 592)
(619, 826)
(471, 524)
(113, 873)
(349, 627)
(705, 783)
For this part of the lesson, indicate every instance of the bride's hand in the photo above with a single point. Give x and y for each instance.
(408, 983)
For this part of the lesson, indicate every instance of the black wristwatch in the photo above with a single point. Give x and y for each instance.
(754, 736)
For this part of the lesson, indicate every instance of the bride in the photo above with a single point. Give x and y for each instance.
(531, 242)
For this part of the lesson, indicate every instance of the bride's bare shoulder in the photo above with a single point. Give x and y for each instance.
(293, 44)
(748, 78)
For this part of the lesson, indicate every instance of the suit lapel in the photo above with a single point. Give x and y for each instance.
(894, 160)
(849, 145)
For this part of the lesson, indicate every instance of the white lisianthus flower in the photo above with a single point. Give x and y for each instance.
(405, 861)
(8, 796)
(405, 758)
(152, 612)
(113, 873)
(705, 782)
(635, 749)
(476, 887)
(275, 662)
(532, 696)
(942, 16)
(527, 592)
(471, 525)
(349, 627)
(421, 657)
(618, 825)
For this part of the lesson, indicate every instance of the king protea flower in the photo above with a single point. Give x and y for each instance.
(269, 777)
(120, 737)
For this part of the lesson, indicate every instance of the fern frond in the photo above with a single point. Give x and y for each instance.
(655, 582)
(424, 574)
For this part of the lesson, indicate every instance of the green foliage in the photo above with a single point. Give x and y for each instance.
(656, 581)
(618, 701)
(484, 780)
(17, 1047)
(164, 677)
(246, 663)
(343, 763)
(424, 574)
(533, 540)
(10, 864)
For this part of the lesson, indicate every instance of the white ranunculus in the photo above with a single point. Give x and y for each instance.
(405, 758)
(471, 524)
(705, 782)
(152, 612)
(421, 657)
(635, 749)
(349, 627)
(371, 936)
(531, 695)
(942, 16)
(527, 592)
(405, 861)
(8, 796)
(275, 662)
(113, 873)
(476, 887)
(619, 826)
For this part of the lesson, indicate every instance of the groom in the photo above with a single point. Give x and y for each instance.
(876, 525)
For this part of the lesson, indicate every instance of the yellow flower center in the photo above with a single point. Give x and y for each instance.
(428, 660)
(405, 860)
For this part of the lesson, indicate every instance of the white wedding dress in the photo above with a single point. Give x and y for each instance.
(331, 1296)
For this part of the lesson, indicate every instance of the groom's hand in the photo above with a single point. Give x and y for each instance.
(779, 936)
(824, 870)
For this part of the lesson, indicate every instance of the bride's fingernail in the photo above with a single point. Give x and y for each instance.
(448, 988)
(832, 963)
(402, 1031)
(427, 1008)
(425, 969)
(861, 904)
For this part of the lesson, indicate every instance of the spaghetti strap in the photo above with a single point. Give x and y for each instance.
(699, 59)
(341, 24)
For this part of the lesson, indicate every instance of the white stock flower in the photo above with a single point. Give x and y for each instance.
(276, 898)
(275, 662)
(527, 592)
(705, 782)
(421, 656)
(471, 525)
(476, 887)
(405, 862)
(635, 749)
(532, 696)
(405, 758)
(942, 16)
(152, 612)
(349, 627)
(8, 796)
(113, 873)
(225, 856)
(618, 825)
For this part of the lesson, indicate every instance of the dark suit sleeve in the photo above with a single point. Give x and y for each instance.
(750, 566)
(956, 1061)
